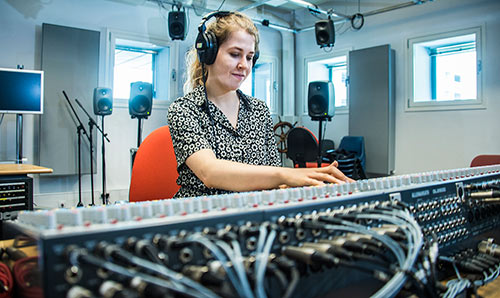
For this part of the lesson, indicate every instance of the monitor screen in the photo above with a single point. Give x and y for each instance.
(21, 91)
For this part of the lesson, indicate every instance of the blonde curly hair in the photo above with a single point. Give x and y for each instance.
(222, 28)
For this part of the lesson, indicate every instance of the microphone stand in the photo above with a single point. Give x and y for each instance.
(79, 129)
(92, 123)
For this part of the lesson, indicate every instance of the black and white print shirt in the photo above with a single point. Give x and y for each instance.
(194, 128)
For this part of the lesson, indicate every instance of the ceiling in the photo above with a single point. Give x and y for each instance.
(344, 6)
(284, 11)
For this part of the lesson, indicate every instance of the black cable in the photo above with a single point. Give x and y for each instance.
(354, 18)
(288, 266)
(273, 269)
(206, 108)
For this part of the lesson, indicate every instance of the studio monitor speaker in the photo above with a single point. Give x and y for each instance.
(103, 101)
(177, 25)
(325, 33)
(321, 100)
(141, 99)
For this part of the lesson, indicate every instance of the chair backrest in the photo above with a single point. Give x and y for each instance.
(354, 144)
(485, 160)
(302, 146)
(154, 172)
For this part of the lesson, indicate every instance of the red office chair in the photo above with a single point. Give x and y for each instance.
(485, 160)
(154, 172)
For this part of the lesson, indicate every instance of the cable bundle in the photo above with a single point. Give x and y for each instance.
(7, 283)
(27, 277)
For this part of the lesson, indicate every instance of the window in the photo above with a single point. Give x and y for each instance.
(329, 69)
(261, 83)
(445, 70)
(135, 60)
(132, 65)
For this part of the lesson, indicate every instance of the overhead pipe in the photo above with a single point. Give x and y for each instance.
(253, 5)
(374, 12)
(342, 18)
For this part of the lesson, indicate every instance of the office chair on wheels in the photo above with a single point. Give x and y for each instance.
(302, 148)
(154, 172)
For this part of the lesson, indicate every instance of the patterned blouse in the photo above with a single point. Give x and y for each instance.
(194, 128)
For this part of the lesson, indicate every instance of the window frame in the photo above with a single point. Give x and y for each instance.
(273, 108)
(434, 105)
(324, 56)
(173, 65)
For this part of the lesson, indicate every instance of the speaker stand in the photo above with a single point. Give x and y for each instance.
(320, 138)
(139, 132)
(104, 195)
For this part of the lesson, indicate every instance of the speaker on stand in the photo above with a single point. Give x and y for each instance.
(321, 106)
(103, 106)
(139, 106)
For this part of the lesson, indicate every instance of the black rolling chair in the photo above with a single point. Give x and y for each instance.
(302, 147)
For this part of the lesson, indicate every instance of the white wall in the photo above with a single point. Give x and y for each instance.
(425, 140)
(20, 39)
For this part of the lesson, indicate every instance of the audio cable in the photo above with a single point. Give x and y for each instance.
(221, 258)
(412, 232)
(262, 257)
(115, 252)
(77, 256)
(6, 281)
(27, 277)
(288, 266)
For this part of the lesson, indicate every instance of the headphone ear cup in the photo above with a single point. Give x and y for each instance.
(201, 47)
(206, 46)
(211, 52)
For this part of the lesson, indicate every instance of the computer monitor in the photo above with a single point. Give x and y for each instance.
(21, 91)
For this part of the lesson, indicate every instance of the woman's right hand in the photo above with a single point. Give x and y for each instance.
(294, 177)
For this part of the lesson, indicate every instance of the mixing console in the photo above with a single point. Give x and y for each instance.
(395, 235)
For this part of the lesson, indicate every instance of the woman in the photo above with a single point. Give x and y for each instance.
(223, 139)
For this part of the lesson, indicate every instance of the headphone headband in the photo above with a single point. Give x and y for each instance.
(206, 43)
(208, 16)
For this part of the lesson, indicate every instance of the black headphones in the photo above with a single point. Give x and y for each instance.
(206, 42)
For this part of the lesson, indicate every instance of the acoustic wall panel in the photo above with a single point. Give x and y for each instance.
(70, 60)
(371, 105)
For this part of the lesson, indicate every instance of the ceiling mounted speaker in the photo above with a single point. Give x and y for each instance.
(103, 101)
(141, 100)
(325, 33)
(177, 25)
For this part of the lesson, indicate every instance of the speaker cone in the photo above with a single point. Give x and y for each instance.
(140, 104)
